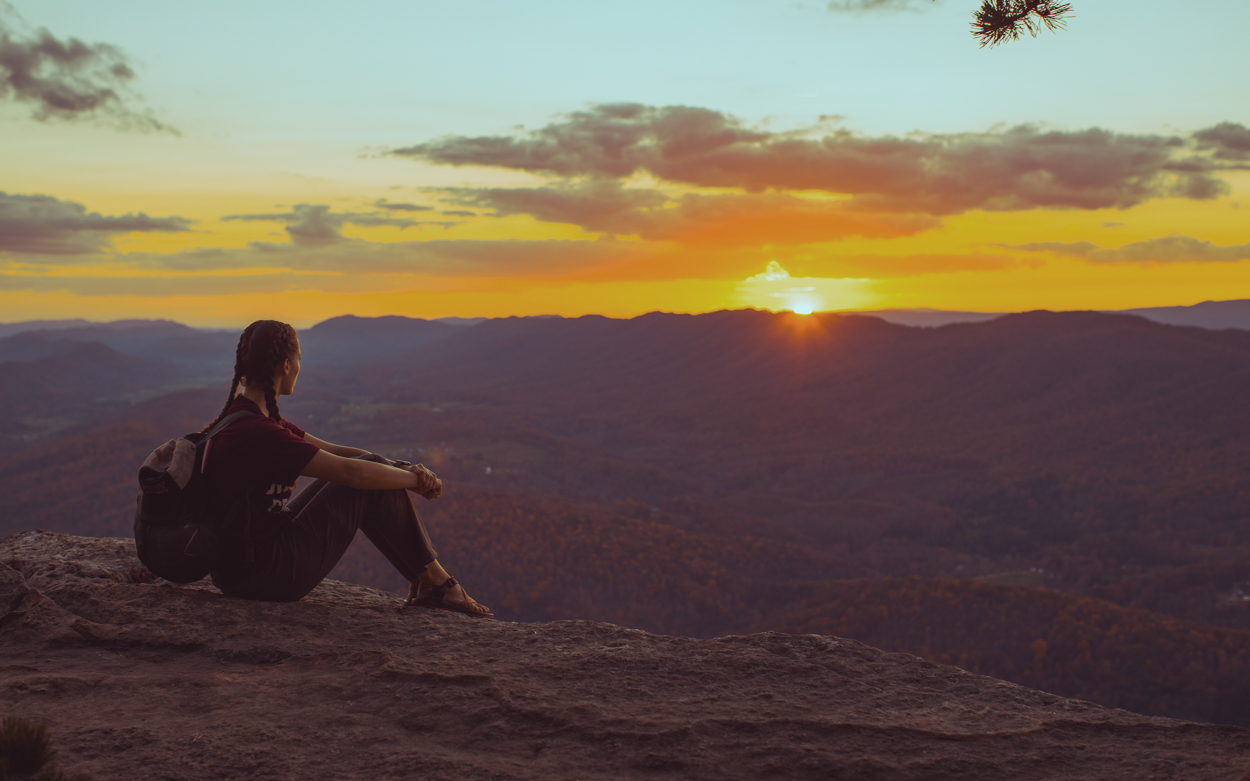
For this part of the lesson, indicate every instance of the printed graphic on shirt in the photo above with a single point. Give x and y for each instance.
(279, 495)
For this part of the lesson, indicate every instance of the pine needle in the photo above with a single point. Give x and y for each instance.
(998, 21)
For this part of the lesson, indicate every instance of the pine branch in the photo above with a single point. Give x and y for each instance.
(998, 21)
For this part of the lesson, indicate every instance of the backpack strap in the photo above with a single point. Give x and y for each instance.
(226, 421)
(201, 444)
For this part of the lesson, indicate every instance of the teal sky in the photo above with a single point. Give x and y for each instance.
(377, 73)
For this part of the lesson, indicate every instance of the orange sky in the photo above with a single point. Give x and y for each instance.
(554, 268)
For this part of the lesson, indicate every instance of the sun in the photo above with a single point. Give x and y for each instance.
(777, 291)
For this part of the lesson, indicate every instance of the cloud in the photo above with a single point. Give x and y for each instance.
(780, 218)
(70, 80)
(440, 258)
(43, 225)
(314, 224)
(175, 285)
(860, 6)
(1170, 249)
(1227, 141)
(1020, 168)
(719, 219)
(382, 203)
(1066, 249)
(351, 266)
(603, 206)
(613, 140)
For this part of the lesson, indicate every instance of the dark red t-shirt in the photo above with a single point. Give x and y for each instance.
(262, 457)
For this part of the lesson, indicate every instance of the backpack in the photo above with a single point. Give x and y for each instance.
(174, 535)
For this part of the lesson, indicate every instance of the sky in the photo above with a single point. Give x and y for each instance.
(219, 163)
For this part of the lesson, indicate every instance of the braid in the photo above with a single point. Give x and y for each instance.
(262, 348)
(271, 400)
(281, 346)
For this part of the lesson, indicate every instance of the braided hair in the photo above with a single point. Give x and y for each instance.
(263, 346)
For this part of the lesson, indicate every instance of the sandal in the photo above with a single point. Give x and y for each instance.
(437, 599)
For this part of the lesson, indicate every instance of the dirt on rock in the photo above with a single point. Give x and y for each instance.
(140, 679)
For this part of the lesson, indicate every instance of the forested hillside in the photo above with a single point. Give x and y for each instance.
(957, 492)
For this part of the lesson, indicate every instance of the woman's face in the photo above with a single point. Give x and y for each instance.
(284, 384)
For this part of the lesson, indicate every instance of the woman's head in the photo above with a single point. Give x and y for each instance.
(267, 357)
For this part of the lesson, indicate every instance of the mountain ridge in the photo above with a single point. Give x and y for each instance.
(1233, 313)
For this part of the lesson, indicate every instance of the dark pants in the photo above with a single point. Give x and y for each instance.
(328, 514)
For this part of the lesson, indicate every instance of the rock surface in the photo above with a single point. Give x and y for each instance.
(144, 680)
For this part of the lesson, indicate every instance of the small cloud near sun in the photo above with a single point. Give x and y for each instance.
(776, 290)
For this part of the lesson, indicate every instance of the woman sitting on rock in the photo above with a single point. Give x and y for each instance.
(293, 543)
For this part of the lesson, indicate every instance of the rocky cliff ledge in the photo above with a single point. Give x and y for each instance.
(144, 680)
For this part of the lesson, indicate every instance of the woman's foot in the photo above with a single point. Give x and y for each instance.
(448, 595)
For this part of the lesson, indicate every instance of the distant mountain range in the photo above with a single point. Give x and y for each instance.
(132, 336)
(1055, 498)
(1208, 314)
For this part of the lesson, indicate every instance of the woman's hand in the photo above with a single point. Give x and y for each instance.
(428, 484)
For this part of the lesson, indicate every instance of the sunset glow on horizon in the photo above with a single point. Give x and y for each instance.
(533, 170)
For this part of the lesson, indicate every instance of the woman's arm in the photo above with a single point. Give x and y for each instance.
(338, 450)
(371, 475)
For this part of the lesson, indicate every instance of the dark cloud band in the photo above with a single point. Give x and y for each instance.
(511, 258)
(1169, 249)
(43, 225)
(1016, 169)
(744, 219)
(382, 203)
(315, 224)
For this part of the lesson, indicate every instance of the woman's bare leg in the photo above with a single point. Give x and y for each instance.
(432, 576)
